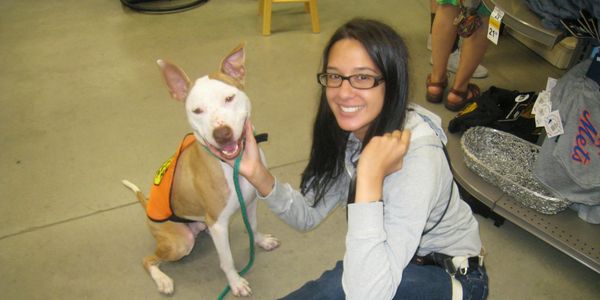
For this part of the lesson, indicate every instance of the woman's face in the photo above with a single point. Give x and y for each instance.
(354, 109)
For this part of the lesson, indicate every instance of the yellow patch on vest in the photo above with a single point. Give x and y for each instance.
(160, 173)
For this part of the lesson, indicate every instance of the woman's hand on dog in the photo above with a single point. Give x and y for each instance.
(251, 166)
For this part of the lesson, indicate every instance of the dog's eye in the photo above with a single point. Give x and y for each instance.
(230, 98)
(198, 111)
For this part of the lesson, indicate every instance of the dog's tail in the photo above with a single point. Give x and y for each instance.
(138, 193)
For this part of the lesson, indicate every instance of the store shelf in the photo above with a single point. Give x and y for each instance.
(520, 18)
(565, 231)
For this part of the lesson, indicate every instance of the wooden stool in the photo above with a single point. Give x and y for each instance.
(264, 9)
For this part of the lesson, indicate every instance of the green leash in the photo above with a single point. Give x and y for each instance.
(238, 191)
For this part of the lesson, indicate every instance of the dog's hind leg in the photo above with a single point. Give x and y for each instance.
(173, 242)
(265, 241)
(219, 232)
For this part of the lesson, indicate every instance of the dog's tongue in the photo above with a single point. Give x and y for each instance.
(230, 151)
(230, 147)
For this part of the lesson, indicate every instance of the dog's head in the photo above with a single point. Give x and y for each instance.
(215, 105)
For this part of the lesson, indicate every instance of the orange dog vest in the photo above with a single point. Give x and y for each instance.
(159, 204)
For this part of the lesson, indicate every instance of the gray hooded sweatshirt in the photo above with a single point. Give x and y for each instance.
(383, 236)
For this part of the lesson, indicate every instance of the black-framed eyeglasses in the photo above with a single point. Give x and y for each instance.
(357, 81)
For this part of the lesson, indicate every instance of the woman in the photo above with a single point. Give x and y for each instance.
(400, 193)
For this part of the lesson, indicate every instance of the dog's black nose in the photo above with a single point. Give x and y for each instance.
(223, 135)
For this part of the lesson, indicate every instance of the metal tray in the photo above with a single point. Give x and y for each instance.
(507, 161)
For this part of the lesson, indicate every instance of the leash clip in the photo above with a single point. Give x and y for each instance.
(461, 264)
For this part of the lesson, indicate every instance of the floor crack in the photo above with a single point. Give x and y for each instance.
(34, 228)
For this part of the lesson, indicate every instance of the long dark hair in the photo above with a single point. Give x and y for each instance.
(387, 50)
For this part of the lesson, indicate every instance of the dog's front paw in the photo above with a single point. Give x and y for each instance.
(240, 287)
(267, 241)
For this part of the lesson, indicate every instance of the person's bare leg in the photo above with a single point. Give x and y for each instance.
(472, 51)
(432, 10)
(442, 39)
(434, 5)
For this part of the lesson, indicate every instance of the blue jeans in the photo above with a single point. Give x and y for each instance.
(418, 282)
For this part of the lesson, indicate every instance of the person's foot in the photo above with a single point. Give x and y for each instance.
(456, 99)
(435, 90)
(453, 61)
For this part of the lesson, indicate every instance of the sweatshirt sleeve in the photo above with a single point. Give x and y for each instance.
(296, 210)
(383, 236)
(364, 275)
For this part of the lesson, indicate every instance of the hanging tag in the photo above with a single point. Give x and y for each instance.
(543, 98)
(550, 83)
(541, 108)
(494, 26)
(553, 124)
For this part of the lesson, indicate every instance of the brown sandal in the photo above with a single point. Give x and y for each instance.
(435, 98)
(473, 89)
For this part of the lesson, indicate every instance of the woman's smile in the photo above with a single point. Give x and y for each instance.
(352, 109)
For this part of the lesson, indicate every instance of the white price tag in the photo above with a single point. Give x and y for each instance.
(541, 108)
(542, 98)
(553, 124)
(550, 83)
(494, 26)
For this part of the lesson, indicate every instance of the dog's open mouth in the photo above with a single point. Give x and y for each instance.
(229, 151)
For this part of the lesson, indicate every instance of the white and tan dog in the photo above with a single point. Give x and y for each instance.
(202, 194)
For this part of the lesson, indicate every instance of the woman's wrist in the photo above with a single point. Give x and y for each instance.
(262, 180)
(368, 188)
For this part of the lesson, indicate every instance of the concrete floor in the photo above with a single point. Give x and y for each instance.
(84, 106)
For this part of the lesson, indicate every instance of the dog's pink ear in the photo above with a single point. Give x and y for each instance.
(233, 64)
(177, 81)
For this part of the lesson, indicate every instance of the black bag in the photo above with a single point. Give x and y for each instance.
(502, 109)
